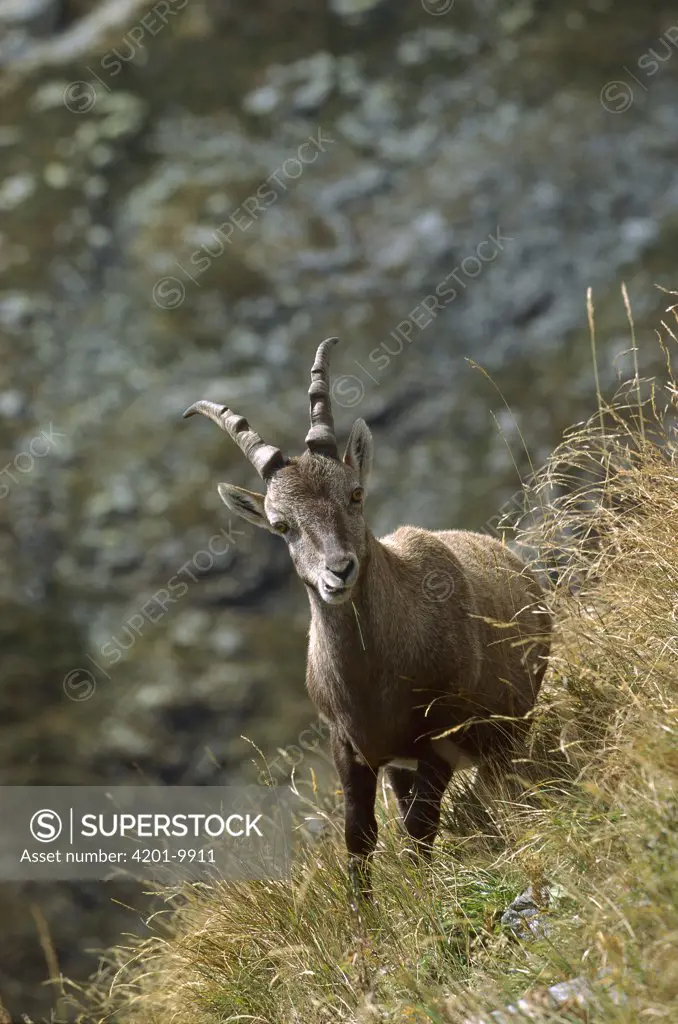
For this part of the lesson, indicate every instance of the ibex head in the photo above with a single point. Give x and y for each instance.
(314, 501)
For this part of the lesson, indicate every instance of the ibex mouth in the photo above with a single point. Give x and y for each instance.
(332, 595)
(336, 589)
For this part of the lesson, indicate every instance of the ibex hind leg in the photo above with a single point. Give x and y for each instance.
(506, 768)
(401, 781)
(497, 779)
(422, 815)
(500, 783)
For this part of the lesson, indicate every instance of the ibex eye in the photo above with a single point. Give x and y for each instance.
(357, 494)
(281, 527)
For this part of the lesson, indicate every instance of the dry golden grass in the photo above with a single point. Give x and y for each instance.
(599, 821)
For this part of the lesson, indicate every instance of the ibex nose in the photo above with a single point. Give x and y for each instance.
(341, 566)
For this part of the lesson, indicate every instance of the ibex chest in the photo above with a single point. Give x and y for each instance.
(369, 703)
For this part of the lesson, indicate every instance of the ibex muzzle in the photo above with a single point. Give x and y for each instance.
(404, 671)
(341, 572)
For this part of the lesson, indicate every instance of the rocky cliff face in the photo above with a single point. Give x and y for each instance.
(192, 195)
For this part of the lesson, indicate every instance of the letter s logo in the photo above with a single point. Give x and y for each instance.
(46, 826)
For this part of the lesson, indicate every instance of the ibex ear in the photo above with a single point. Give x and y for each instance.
(358, 454)
(247, 504)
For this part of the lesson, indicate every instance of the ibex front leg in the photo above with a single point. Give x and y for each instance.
(359, 783)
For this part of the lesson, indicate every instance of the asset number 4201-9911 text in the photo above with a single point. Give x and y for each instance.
(165, 857)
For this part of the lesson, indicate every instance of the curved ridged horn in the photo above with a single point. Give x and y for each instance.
(264, 457)
(320, 437)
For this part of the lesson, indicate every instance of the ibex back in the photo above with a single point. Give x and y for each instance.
(425, 646)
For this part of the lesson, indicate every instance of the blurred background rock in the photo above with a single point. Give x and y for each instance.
(129, 132)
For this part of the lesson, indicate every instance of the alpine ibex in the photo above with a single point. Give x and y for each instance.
(426, 646)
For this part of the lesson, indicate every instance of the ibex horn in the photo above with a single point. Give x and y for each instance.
(264, 457)
(320, 437)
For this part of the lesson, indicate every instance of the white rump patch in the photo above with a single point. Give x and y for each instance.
(445, 748)
(410, 763)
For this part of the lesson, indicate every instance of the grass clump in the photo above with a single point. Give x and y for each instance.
(597, 828)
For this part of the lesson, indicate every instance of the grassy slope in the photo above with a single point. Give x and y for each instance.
(599, 821)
